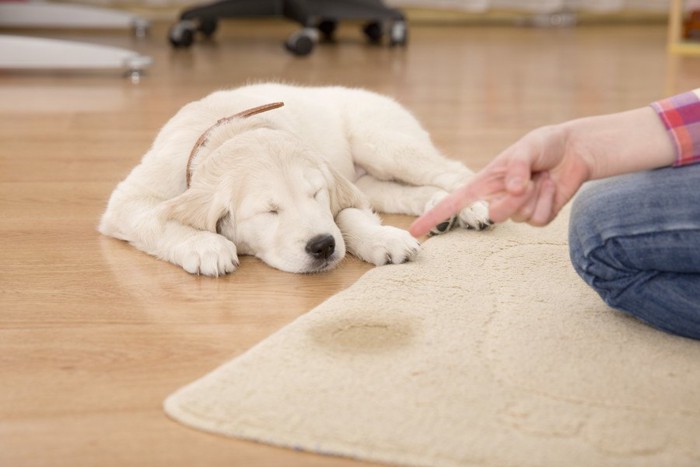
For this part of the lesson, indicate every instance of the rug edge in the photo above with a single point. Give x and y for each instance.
(290, 441)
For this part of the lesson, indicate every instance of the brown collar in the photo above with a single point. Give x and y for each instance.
(204, 139)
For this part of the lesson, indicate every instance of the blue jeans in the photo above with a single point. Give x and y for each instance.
(636, 240)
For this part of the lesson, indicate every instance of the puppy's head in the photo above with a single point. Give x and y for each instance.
(273, 197)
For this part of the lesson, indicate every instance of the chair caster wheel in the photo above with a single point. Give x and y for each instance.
(398, 33)
(181, 34)
(302, 42)
(207, 27)
(374, 32)
(327, 29)
(141, 28)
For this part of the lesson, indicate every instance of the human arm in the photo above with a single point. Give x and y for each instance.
(535, 177)
(548, 166)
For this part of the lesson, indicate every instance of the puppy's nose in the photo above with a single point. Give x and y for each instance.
(321, 246)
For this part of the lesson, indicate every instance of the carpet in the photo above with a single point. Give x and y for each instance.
(487, 350)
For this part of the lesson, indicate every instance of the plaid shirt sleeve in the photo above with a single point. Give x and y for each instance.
(681, 117)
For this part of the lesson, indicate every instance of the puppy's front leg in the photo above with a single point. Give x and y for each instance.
(197, 251)
(369, 240)
(146, 227)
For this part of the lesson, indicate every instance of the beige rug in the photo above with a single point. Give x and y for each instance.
(488, 350)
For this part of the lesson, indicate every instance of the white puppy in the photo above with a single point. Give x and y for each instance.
(296, 186)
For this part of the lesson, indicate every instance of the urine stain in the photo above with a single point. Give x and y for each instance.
(363, 335)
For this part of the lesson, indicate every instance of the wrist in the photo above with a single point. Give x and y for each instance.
(577, 143)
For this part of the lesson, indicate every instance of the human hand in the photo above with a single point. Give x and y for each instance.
(543, 170)
(528, 182)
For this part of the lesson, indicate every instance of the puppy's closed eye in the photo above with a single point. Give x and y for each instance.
(322, 196)
(273, 209)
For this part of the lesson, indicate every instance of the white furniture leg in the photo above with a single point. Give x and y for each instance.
(20, 52)
(39, 14)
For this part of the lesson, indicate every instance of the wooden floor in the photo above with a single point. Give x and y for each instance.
(94, 334)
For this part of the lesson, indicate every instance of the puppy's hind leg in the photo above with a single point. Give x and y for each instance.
(399, 198)
(408, 158)
(411, 159)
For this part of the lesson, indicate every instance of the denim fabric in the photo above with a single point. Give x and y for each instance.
(636, 240)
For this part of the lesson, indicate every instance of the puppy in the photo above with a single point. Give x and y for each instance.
(295, 183)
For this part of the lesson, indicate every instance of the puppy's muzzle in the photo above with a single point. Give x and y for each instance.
(321, 246)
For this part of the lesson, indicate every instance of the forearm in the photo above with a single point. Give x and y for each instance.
(621, 143)
(665, 133)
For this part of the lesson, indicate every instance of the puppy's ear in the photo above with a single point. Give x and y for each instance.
(196, 207)
(344, 194)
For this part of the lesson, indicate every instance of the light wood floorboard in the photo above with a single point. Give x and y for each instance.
(94, 334)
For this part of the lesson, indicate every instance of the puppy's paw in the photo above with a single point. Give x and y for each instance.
(475, 216)
(389, 245)
(208, 254)
(447, 224)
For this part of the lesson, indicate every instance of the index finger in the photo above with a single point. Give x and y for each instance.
(481, 187)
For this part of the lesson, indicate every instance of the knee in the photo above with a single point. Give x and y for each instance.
(595, 248)
(586, 244)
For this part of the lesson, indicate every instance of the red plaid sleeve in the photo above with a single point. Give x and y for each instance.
(681, 117)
